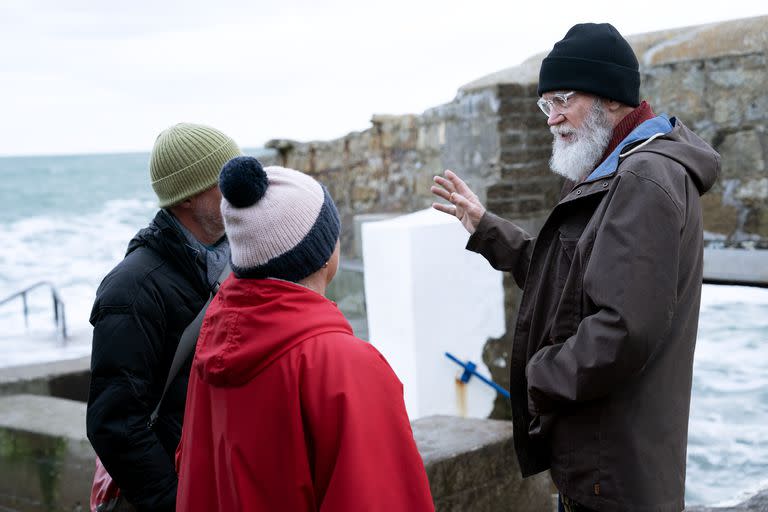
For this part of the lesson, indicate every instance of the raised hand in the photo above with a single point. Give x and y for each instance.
(465, 205)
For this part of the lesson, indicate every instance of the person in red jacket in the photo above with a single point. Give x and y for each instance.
(286, 409)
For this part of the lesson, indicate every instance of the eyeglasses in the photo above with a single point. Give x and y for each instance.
(558, 102)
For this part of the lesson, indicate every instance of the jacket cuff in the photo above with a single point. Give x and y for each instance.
(477, 238)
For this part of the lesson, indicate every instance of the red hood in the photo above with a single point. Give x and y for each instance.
(252, 322)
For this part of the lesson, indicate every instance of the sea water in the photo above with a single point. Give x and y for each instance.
(67, 220)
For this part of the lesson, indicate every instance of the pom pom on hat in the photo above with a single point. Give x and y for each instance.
(243, 181)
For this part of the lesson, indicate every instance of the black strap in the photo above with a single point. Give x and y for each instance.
(187, 343)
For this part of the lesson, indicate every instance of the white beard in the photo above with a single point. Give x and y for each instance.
(575, 160)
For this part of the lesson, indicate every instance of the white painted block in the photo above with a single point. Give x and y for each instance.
(426, 295)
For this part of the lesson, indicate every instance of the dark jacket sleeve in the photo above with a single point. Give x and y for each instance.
(631, 279)
(506, 246)
(125, 368)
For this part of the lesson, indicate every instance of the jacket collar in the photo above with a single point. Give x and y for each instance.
(646, 131)
(164, 237)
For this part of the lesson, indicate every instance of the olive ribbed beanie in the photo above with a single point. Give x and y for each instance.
(186, 160)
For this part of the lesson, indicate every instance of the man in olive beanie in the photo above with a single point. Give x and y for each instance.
(602, 353)
(143, 305)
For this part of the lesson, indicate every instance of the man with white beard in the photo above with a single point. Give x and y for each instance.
(602, 353)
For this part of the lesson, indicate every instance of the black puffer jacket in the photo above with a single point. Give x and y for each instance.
(142, 306)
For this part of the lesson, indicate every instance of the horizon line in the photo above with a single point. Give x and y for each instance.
(95, 153)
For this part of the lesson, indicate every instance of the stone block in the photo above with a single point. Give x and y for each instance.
(523, 122)
(742, 154)
(736, 266)
(719, 217)
(521, 106)
(471, 465)
(431, 136)
(756, 222)
(753, 191)
(525, 169)
(46, 461)
(526, 153)
(521, 205)
(516, 137)
(396, 131)
(517, 90)
(364, 194)
(678, 89)
(62, 379)
(509, 188)
(439, 299)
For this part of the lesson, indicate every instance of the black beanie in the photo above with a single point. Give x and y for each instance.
(594, 58)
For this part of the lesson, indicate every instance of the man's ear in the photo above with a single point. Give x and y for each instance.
(182, 206)
(613, 105)
(185, 204)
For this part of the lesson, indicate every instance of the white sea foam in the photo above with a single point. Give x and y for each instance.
(72, 252)
(728, 440)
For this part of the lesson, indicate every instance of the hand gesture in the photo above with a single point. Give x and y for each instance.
(465, 205)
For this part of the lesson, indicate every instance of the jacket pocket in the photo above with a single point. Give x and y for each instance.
(568, 310)
(568, 246)
(565, 257)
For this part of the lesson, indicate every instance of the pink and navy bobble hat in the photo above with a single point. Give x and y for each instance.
(280, 223)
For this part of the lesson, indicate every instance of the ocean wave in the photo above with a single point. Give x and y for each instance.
(73, 252)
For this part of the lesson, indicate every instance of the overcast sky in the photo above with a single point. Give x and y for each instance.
(82, 76)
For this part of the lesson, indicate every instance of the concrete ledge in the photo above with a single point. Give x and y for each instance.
(471, 465)
(736, 266)
(62, 379)
(46, 461)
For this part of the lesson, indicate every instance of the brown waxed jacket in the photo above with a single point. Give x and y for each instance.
(602, 357)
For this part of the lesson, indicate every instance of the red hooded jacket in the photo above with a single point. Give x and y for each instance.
(288, 411)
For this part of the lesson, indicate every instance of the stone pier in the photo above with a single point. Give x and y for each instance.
(47, 463)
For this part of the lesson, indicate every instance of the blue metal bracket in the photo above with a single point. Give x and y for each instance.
(470, 369)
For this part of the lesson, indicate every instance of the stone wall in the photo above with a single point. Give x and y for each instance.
(389, 167)
(714, 79)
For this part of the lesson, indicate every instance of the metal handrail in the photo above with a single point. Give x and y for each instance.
(59, 318)
(470, 369)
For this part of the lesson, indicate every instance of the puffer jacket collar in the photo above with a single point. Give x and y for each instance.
(163, 237)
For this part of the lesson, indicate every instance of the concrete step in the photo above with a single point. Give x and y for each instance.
(67, 378)
(471, 465)
(736, 266)
(46, 461)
